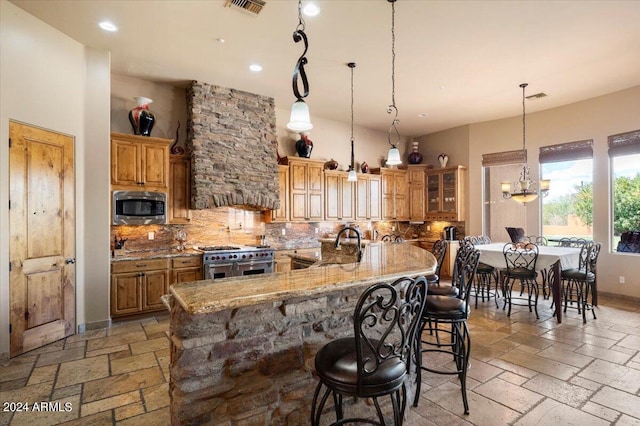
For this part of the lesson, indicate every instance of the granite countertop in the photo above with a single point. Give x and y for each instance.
(156, 254)
(380, 262)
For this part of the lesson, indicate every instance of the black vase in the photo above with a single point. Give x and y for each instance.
(304, 146)
(141, 119)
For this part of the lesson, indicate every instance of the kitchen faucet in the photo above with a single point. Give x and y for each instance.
(357, 231)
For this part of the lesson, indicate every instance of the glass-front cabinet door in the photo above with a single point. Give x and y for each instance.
(433, 193)
(449, 191)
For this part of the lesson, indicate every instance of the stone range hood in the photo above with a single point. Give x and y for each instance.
(231, 137)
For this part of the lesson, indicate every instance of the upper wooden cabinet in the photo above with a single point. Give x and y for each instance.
(281, 214)
(179, 189)
(339, 200)
(139, 162)
(417, 178)
(395, 203)
(306, 189)
(445, 194)
(368, 206)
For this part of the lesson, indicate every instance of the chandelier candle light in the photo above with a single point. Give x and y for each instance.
(393, 157)
(352, 171)
(300, 121)
(524, 191)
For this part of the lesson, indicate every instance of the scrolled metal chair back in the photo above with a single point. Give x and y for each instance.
(439, 251)
(385, 323)
(519, 256)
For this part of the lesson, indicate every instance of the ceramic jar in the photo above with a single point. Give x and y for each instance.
(304, 146)
(414, 156)
(142, 120)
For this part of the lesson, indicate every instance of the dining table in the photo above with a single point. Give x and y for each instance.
(552, 258)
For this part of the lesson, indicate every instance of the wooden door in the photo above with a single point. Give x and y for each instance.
(315, 192)
(125, 163)
(42, 234)
(154, 284)
(332, 196)
(179, 189)
(125, 293)
(347, 194)
(154, 167)
(374, 198)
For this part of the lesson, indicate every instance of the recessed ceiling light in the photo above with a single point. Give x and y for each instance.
(108, 26)
(423, 114)
(255, 67)
(220, 40)
(311, 9)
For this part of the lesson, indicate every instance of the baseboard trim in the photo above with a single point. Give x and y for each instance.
(97, 325)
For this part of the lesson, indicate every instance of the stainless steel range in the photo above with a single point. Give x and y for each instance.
(233, 261)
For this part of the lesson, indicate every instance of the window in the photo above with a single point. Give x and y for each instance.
(499, 212)
(624, 151)
(568, 209)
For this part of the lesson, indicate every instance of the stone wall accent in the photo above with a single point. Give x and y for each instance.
(231, 136)
(255, 367)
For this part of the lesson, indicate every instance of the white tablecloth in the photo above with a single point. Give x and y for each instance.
(569, 257)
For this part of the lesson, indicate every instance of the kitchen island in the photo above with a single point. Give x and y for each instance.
(242, 348)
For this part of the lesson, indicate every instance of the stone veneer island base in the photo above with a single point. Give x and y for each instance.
(242, 349)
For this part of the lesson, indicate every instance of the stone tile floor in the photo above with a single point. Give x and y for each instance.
(523, 372)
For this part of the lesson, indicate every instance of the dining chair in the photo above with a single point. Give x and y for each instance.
(515, 234)
(582, 281)
(451, 311)
(520, 262)
(544, 273)
(375, 361)
(575, 242)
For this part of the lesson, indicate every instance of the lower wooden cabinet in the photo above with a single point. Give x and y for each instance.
(188, 268)
(283, 258)
(138, 285)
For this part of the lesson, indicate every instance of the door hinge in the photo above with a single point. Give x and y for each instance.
(26, 315)
(10, 328)
(9, 266)
(9, 204)
(9, 142)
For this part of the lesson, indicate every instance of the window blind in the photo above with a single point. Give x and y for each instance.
(568, 151)
(624, 143)
(507, 157)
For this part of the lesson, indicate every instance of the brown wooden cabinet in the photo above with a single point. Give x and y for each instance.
(139, 162)
(283, 257)
(395, 203)
(137, 285)
(368, 206)
(339, 199)
(186, 268)
(417, 178)
(281, 214)
(445, 196)
(179, 189)
(306, 189)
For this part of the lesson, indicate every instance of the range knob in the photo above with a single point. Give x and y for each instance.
(244, 256)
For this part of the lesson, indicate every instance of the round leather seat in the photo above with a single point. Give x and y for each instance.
(578, 274)
(442, 290)
(337, 366)
(446, 307)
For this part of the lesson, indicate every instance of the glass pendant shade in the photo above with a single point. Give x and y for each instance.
(393, 157)
(299, 121)
(352, 176)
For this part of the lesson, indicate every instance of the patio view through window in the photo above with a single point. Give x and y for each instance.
(626, 195)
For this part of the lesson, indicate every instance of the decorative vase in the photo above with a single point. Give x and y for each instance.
(304, 146)
(331, 165)
(414, 156)
(443, 159)
(141, 118)
(364, 167)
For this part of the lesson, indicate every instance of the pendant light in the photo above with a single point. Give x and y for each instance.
(393, 157)
(352, 171)
(300, 121)
(524, 189)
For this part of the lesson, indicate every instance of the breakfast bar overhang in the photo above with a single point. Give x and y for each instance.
(242, 348)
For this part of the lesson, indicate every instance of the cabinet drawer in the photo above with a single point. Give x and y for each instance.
(139, 265)
(185, 262)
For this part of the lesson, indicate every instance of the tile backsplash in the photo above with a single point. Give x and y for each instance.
(228, 225)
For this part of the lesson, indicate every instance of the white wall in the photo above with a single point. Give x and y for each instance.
(44, 76)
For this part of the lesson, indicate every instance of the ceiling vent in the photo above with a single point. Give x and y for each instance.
(536, 96)
(251, 6)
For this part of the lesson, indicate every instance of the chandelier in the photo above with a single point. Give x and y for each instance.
(393, 157)
(352, 171)
(300, 120)
(524, 189)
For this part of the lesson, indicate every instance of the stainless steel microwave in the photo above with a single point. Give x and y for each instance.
(139, 208)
